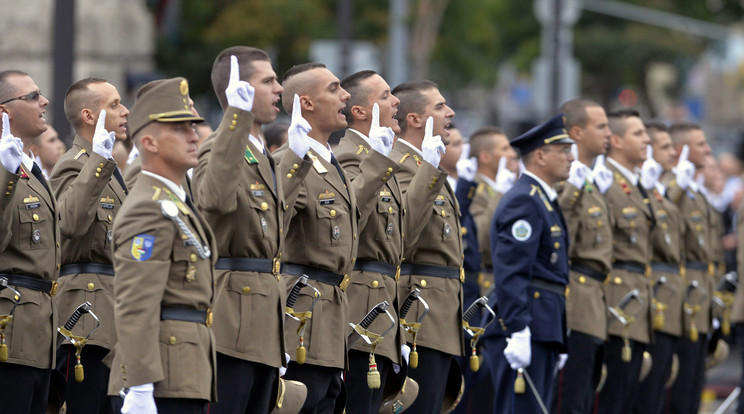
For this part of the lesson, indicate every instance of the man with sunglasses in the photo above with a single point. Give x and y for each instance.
(29, 251)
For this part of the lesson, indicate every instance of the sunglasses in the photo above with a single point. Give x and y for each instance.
(33, 96)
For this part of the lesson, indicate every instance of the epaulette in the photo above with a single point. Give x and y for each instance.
(79, 154)
(404, 158)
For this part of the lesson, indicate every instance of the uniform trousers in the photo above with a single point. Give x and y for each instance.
(362, 399)
(739, 337)
(323, 384)
(170, 405)
(651, 392)
(575, 385)
(617, 395)
(431, 375)
(243, 386)
(24, 389)
(544, 358)
(684, 396)
(89, 396)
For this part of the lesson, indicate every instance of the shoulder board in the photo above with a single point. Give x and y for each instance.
(534, 189)
(404, 158)
(79, 154)
(361, 148)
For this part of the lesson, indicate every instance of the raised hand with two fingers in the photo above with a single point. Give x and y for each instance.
(239, 93)
(432, 147)
(11, 148)
(380, 138)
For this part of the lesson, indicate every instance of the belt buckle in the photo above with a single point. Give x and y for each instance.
(210, 318)
(53, 290)
(711, 269)
(462, 275)
(275, 266)
(397, 273)
(345, 282)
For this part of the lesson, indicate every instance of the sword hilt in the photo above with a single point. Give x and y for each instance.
(475, 308)
(372, 315)
(415, 293)
(294, 293)
(75, 317)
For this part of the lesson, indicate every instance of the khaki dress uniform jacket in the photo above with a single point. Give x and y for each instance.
(482, 208)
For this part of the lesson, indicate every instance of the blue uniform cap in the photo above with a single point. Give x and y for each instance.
(552, 131)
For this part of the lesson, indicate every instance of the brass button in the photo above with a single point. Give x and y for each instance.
(193, 257)
(100, 165)
(464, 230)
(354, 236)
(353, 260)
(110, 218)
(384, 178)
(98, 169)
(333, 213)
(557, 245)
(264, 206)
(232, 128)
(247, 290)
(91, 286)
(582, 279)
(36, 217)
(16, 297)
(234, 122)
(172, 340)
(618, 280)
(289, 175)
(599, 223)
(387, 174)
(295, 166)
(390, 169)
(423, 283)
(375, 283)
(57, 266)
(390, 210)
(293, 171)
(235, 116)
(536, 295)
(98, 175)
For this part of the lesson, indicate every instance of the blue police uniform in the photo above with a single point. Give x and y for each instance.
(529, 246)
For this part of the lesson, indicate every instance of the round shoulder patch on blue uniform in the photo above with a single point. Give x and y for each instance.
(521, 230)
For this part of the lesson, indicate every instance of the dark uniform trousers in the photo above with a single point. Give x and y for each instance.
(28, 385)
(574, 391)
(327, 386)
(235, 376)
(362, 399)
(622, 377)
(684, 396)
(431, 376)
(88, 396)
(170, 405)
(651, 392)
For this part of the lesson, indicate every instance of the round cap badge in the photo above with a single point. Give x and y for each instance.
(521, 230)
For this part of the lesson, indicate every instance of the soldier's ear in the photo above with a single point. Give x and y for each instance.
(575, 132)
(358, 113)
(87, 116)
(415, 120)
(306, 104)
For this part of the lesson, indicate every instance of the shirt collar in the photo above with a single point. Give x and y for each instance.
(257, 141)
(629, 175)
(452, 182)
(28, 162)
(364, 137)
(488, 181)
(549, 191)
(418, 151)
(175, 188)
(324, 151)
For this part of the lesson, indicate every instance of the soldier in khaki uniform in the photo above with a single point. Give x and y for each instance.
(667, 285)
(242, 196)
(323, 233)
(164, 255)
(632, 219)
(29, 250)
(590, 234)
(433, 257)
(89, 190)
(685, 193)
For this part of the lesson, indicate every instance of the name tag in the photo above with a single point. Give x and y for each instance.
(258, 193)
(327, 201)
(30, 206)
(107, 206)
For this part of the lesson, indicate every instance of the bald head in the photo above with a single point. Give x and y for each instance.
(300, 80)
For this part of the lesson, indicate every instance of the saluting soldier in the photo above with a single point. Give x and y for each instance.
(243, 195)
(323, 239)
(529, 249)
(29, 251)
(667, 286)
(691, 149)
(89, 190)
(164, 255)
(584, 207)
(632, 218)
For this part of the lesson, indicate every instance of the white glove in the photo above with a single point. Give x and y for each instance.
(466, 168)
(562, 358)
(577, 174)
(684, 172)
(239, 93)
(380, 138)
(405, 351)
(283, 370)
(297, 138)
(650, 170)
(601, 175)
(518, 351)
(139, 400)
(504, 178)
(432, 147)
(11, 148)
(103, 141)
(575, 151)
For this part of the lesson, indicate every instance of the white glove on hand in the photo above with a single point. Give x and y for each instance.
(650, 170)
(432, 147)
(283, 370)
(297, 138)
(405, 351)
(562, 358)
(11, 148)
(103, 141)
(466, 168)
(139, 400)
(518, 351)
(684, 172)
(577, 174)
(380, 138)
(601, 175)
(504, 178)
(239, 93)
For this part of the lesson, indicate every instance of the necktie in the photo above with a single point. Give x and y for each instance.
(36, 171)
(338, 167)
(120, 179)
(647, 202)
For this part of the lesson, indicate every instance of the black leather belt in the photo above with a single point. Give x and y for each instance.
(377, 267)
(630, 266)
(186, 315)
(46, 286)
(323, 276)
(665, 267)
(557, 288)
(77, 268)
(697, 265)
(432, 270)
(248, 264)
(589, 271)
